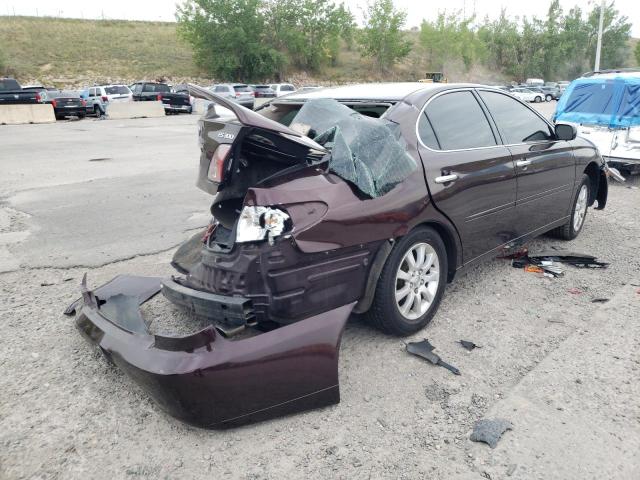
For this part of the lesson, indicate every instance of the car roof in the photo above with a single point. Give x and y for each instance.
(369, 91)
(615, 74)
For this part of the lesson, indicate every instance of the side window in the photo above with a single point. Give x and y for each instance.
(516, 123)
(92, 92)
(425, 130)
(459, 122)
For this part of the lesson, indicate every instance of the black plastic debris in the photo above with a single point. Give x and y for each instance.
(468, 345)
(600, 300)
(580, 260)
(425, 350)
(490, 431)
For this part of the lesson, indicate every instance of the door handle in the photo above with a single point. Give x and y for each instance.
(446, 178)
(523, 163)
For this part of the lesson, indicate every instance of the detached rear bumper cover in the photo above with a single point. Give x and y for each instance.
(205, 379)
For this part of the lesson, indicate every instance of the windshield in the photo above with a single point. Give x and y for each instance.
(242, 88)
(117, 90)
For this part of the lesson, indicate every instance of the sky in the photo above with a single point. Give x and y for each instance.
(416, 9)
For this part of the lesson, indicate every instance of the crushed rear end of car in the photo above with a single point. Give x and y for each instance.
(291, 250)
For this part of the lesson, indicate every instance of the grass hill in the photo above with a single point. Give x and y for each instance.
(63, 50)
(66, 52)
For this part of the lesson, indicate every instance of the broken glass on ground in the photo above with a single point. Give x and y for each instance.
(367, 152)
(425, 350)
(490, 431)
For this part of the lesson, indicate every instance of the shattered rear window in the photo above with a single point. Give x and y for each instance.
(365, 151)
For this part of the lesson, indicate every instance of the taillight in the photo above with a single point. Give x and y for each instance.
(216, 167)
(238, 94)
(38, 97)
(105, 98)
(54, 103)
(84, 102)
(159, 97)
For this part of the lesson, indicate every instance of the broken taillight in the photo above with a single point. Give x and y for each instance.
(216, 167)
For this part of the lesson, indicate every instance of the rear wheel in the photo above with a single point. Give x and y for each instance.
(411, 284)
(98, 110)
(573, 227)
(548, 98)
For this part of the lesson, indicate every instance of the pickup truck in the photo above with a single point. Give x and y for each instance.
(151, 91)
(11, 93)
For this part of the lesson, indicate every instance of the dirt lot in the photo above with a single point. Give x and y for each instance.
(562, 369)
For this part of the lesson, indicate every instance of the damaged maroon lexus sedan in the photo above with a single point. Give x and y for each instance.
(364, 199)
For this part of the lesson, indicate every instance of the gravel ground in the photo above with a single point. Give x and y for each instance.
(66, 413)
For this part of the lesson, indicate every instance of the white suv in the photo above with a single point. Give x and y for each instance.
(282, 89)
(99, 97)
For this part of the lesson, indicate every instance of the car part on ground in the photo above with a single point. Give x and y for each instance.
(425, 350)
(490, 431)
(204, 378)
(467, 345)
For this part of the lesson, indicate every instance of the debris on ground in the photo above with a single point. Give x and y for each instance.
(490, 431)
(468, 345)
(548, 262)
(575, 291)
(600, 300)
(580, 260)
(425, 350)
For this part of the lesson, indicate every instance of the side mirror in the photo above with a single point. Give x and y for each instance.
(565, 131)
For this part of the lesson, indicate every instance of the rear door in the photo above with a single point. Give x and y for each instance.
(470, 175)
(545, 167)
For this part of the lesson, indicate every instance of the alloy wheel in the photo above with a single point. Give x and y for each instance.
(581, 208)
(417, 281)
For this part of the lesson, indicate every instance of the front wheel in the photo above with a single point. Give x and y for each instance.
(411, 284)
(538, 99)
(548, 98)
(573, 227)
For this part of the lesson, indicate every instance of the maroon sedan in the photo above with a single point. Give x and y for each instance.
(364, 199)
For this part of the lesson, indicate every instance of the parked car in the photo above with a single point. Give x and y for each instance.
(282, 89)
(404, 187)
(263, 91)
(161, 92)
(547, 95)
(67, 104)
(605, 109)
(99, 97)
(527, 94)
(238, 92)
(12, 93)
(562, 85)
(552, 91)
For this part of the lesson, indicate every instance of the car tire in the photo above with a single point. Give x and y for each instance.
(97, 110)
(548, 98)
(538, 99)
(579, 207)
(389, 311)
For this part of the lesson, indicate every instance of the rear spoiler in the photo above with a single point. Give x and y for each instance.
(249, 117)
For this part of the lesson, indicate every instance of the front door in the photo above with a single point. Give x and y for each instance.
(470, 176)
(545, 167)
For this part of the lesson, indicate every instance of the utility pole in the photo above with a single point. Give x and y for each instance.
(596, 68)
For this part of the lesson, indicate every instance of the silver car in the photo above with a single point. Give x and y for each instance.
(238, 92)
(99, 97)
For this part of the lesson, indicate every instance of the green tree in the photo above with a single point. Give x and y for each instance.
(228, 38)
(636, 53)
(309, 31)
(382, 37)
(615, 37)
